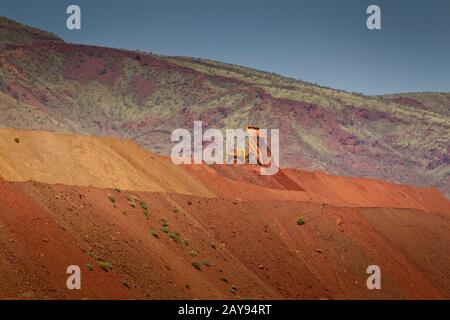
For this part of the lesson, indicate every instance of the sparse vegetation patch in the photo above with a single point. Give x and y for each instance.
(154, 233)
(193, 253)
(105, 266)
(196, 265)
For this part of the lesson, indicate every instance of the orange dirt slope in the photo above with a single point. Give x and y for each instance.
(244, 182)
(217, 232)
(103, 162)
(245, 249)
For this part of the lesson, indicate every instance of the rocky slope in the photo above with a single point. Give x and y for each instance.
(239, 239)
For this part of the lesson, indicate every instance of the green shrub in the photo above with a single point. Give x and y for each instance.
(89, 267)
(186, 242)
(193, 253)
(174, 236)
(206, 263)
(143, 205)
(300, 221)
(196, 265)
(154, 233)
(105, 266)
(165, 229)
(175, 210)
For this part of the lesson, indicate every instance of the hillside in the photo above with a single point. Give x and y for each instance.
(57, 86)
(106, 162)
(433, 101)
(13, 34)
(89, 161)
(206, 232)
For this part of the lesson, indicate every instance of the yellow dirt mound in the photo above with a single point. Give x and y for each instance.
(102, 162)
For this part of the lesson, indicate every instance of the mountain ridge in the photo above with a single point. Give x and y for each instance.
(15, 33)
(53, 85)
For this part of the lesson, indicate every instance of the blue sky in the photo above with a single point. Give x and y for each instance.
(321, 41)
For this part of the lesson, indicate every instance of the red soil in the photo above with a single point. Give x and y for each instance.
(85, 69)
(259, 247)
(245, 182)
(240, 226)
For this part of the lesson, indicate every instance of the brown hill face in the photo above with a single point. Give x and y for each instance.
(220, 232)
(51, 85)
